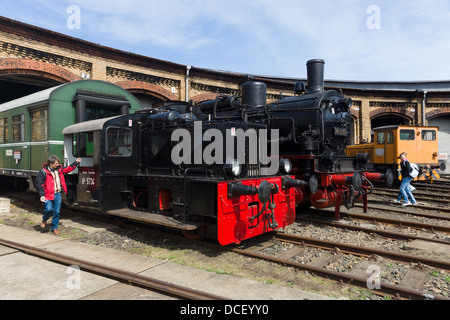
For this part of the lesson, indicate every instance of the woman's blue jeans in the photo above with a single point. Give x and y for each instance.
(405, 190)
(53, 206)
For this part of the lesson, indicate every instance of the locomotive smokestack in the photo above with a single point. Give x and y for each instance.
(315, 69)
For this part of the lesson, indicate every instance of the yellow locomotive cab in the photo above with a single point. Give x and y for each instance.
(420, 144)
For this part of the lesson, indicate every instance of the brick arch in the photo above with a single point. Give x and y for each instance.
(437, 113)
(392, 111)
(38, 68)
(149, 88)
(205, 97)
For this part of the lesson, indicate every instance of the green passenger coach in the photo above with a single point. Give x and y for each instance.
(31, 127)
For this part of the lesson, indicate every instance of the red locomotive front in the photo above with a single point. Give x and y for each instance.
(249, 208)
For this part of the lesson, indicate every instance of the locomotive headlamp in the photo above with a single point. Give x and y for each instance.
(285, 166)
(347, 102)
(233, 167)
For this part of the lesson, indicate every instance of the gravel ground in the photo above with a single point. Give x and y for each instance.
(199, 256)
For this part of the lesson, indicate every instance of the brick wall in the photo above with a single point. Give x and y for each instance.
(30, 50)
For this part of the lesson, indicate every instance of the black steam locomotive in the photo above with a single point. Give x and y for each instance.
(183, 166)
(314, 129)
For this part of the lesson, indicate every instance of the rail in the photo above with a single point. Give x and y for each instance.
(117, 274)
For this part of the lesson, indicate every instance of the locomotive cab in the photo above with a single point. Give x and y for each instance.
(83, 140)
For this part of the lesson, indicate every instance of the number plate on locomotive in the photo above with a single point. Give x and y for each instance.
(340, 131)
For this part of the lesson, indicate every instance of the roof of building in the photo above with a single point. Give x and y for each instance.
(55, 38)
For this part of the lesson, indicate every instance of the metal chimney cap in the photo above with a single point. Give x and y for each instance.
(315, 61)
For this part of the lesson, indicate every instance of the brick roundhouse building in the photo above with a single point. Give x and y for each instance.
(33, 59)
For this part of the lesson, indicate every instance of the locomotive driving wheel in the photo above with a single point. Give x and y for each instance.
(195, 234)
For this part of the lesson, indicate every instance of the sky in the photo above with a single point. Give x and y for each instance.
(360, 40)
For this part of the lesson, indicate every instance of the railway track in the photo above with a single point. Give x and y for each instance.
(439, 212)
(443, 198)
(443, 182)
(380, 232)
(431, 187)
(400, 223)
(166, 288)
(358, 276)
(437, 192)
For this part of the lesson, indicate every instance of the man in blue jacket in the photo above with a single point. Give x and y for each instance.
(405, 187)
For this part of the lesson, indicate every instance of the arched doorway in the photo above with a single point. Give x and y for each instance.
(21, 77)
(389, 119)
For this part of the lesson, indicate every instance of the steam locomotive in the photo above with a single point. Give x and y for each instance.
(314, 130)
(178, 167)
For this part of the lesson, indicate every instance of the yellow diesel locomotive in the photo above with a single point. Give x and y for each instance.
(420, 144)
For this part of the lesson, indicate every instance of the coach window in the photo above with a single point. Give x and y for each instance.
(407, 135)
(39, 125)
(428, 135)
(4, 130)
(18, 128)
(118, 142)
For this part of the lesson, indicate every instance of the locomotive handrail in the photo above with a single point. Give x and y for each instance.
(215, 110)
(319, 109)
(235, 204)
(294, 136)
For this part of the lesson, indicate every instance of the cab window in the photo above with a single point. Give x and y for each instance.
(428, 135)
(118, 142)
(407, 134)
(381, 137)
(83, 144)
(390, 137)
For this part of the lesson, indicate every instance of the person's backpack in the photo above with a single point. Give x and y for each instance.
(415, 170)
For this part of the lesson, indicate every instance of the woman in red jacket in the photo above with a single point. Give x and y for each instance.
(50, 183)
